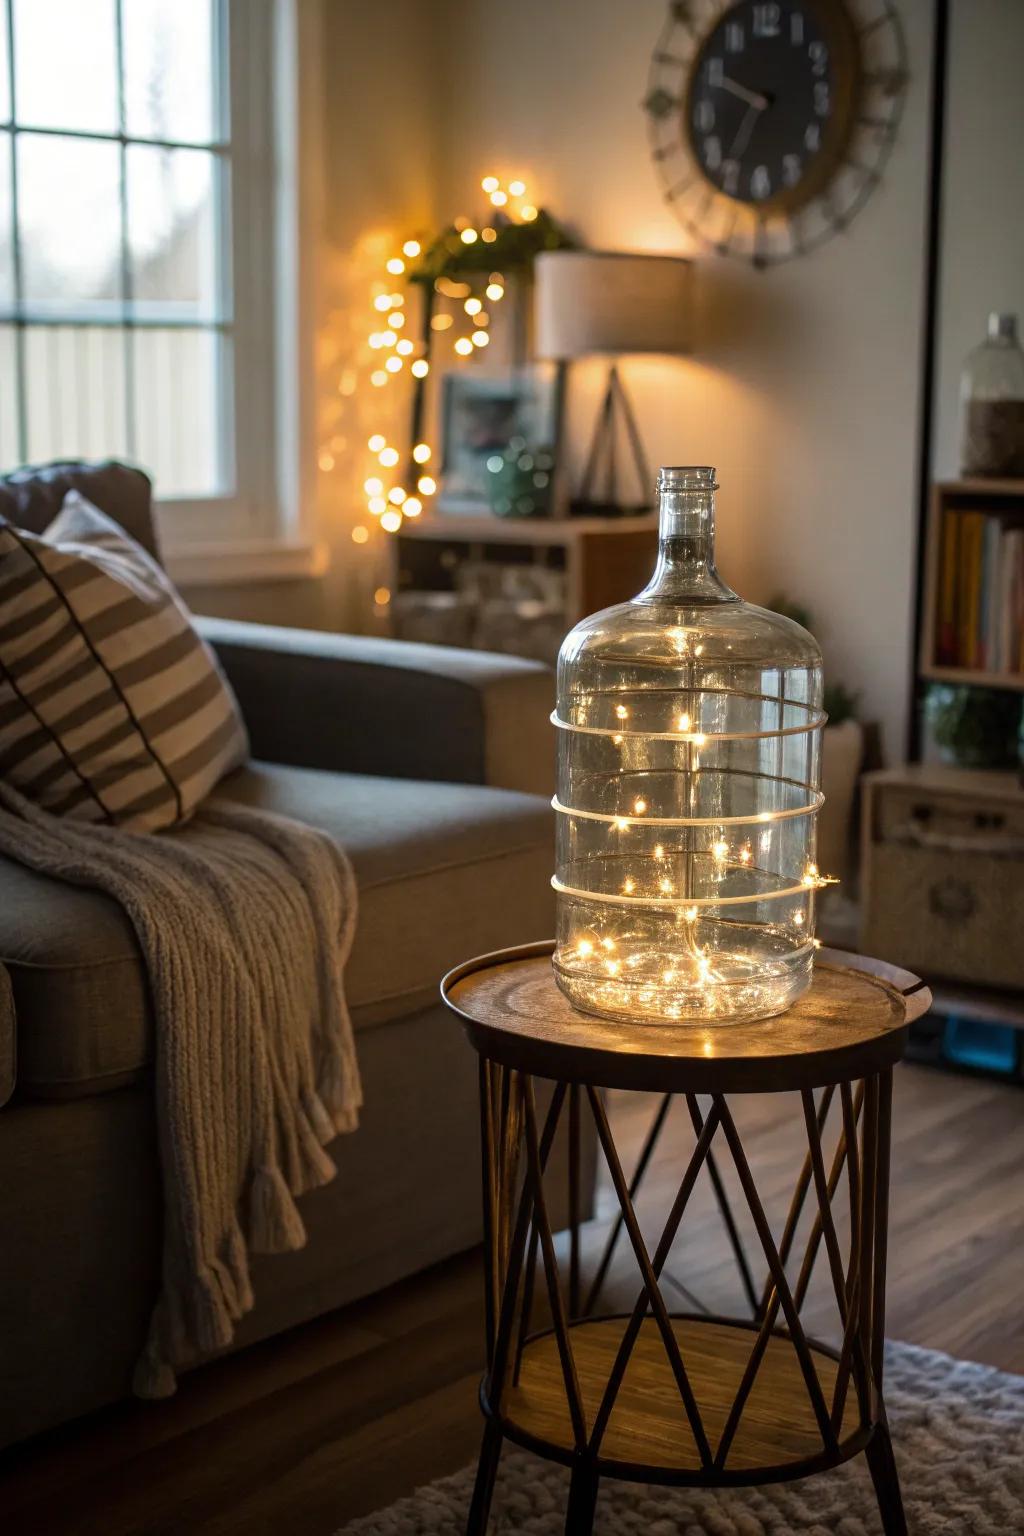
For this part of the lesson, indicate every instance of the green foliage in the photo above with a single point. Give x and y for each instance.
(840, 703)
(974, 727)
(780, 603)
(448, 255)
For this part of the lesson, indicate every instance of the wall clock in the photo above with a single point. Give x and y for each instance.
(770, 124)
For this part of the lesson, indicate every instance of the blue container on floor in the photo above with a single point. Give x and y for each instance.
(985, 1047)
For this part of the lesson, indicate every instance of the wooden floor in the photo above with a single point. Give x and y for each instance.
(343, 1416)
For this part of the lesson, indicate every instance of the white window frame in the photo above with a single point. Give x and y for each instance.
(257, 527)
(263, 530)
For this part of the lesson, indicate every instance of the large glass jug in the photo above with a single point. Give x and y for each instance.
(689, 735)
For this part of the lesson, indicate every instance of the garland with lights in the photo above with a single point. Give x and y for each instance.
(459, 272)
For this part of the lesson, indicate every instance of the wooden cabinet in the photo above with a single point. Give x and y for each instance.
(599, 561)
(942, 880)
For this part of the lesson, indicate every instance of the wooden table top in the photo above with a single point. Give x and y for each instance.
(851, 1022)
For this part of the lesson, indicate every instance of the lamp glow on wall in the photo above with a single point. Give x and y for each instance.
(611, 303)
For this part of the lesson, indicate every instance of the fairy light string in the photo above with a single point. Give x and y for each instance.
(459, 288)
(657, 877)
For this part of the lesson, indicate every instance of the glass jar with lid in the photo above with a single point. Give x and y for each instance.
(689, 754)
(992, 403)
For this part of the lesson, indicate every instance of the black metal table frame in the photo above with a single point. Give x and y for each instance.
(860, 1288)
(507, 1097)
(840, 1052)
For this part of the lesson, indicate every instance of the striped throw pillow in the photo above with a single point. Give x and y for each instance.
(112, 708)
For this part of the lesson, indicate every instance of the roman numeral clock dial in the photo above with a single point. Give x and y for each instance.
(770, 123)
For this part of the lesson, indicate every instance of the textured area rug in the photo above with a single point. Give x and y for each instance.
(958, 1431)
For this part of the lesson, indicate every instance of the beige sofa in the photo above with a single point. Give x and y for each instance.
(432, 769)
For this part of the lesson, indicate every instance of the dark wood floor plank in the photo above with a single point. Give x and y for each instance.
(343, 1478)
(346, 1414)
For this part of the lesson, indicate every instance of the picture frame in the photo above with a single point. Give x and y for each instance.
(500, 440)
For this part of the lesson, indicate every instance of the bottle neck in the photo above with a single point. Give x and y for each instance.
(686, 540)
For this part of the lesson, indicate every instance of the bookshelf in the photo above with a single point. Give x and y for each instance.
(972, 624)
(943, 847)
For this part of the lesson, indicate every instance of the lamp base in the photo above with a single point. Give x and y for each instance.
(602, 464)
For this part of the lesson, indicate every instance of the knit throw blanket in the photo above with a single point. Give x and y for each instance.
(245, 920)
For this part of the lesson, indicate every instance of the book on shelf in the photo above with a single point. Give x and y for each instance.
(980, 618)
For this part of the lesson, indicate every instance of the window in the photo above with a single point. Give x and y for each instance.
(132, 133)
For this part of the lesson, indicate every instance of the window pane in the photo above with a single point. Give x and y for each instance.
(76, 392)
(65, 64)
(169, 60)
(172, 231)
(6, 250)
(70, 215)
(179, 417)
(9, 450)
(5, 68)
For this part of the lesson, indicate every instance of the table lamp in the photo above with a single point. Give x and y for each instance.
(610, 303)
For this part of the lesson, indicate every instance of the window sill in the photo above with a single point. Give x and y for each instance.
(232, 564)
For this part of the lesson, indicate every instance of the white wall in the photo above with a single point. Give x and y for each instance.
(804, 390)
(982, 252)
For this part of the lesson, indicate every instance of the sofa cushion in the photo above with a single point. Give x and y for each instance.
(31, 497)
(444, 871)
(112, 708)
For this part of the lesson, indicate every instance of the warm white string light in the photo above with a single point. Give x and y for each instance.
(724, 841)
(404, 355)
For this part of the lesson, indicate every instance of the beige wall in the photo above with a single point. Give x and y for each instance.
(804, 390)
(376, 71)
(982, 249)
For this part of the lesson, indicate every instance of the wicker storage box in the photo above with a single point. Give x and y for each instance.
(943, 873)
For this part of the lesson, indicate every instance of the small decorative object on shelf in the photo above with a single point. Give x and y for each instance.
(992, 403)
(499, 442)
(689, 756)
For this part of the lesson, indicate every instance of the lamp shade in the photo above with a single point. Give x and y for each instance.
(611, 301)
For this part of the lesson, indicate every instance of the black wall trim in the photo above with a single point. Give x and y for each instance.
(926, 424)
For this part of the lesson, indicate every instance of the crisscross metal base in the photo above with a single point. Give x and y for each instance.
(682, 1398)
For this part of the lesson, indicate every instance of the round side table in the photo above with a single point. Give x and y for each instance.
(668, 1397)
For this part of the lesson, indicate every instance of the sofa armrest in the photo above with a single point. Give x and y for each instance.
(389, 707)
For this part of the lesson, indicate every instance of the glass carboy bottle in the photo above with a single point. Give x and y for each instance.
(689, 743)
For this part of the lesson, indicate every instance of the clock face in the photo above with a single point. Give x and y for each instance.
(769, 102)
(771, 120)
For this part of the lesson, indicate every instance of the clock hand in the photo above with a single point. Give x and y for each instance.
(744, 131)
(754, 99)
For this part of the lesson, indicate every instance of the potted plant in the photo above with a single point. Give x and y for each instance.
(975, 727)
(842, 753)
